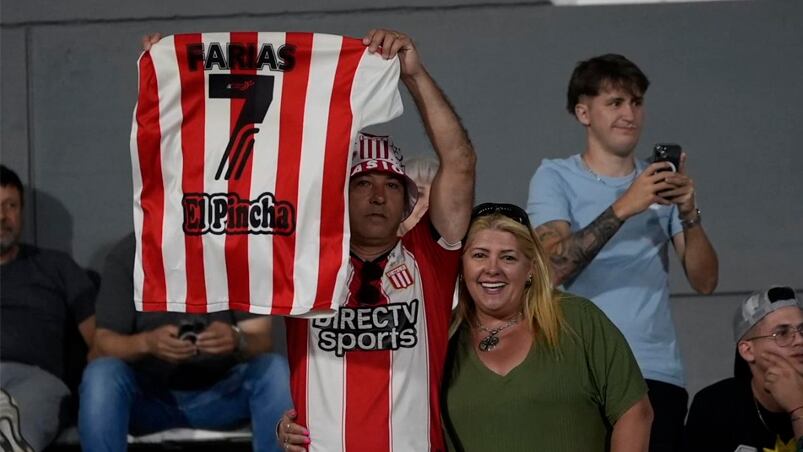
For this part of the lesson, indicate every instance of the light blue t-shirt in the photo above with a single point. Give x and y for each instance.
(628, 279)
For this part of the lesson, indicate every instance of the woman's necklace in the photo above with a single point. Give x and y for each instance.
(490, 341)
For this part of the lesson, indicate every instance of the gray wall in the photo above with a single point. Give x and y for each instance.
(725, 84)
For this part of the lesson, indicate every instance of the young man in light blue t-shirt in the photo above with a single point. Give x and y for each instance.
(606, 218)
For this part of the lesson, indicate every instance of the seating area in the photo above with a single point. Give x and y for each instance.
(174, 439)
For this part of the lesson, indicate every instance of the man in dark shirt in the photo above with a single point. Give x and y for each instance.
(162, 370)
(761, 407)
(43, 293)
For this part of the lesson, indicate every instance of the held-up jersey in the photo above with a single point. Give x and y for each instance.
(368, 379)
(240, 153)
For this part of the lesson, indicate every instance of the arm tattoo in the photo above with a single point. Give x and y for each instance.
(572, 254)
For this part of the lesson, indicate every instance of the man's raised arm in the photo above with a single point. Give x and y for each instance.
(452, 193)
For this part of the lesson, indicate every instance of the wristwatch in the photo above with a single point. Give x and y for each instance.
(693, 221)
(240, 339)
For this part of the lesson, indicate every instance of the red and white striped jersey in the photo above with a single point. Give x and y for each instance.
(240, 148)
(368, 379)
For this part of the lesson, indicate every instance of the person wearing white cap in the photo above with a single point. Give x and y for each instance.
(761, 407)
(368, 379)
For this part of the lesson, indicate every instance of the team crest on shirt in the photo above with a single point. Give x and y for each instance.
(400, 277)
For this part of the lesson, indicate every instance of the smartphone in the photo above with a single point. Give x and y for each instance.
(189, 331)
(667, 152)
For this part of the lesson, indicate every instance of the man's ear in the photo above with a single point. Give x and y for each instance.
(581, 113)
(746, 351)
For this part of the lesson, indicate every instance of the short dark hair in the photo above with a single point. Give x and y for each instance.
(9, 177)
(591, 75)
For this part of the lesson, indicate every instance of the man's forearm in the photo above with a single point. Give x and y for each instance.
(452, 193)
(129, 348)
(570, 255)
(700, 260)
(254, 344)
(254, 336)
(441, 122)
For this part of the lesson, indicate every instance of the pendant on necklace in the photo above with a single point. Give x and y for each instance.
(489, 342)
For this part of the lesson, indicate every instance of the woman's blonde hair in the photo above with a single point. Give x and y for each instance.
(541, 306)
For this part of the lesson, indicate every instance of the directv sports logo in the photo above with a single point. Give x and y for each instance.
(386, 327)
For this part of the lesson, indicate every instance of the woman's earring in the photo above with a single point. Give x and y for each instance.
(529, 280)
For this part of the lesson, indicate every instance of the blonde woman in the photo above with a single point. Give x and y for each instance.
(531, 368)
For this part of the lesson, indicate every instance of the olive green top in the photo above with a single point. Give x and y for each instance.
(548, 402)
